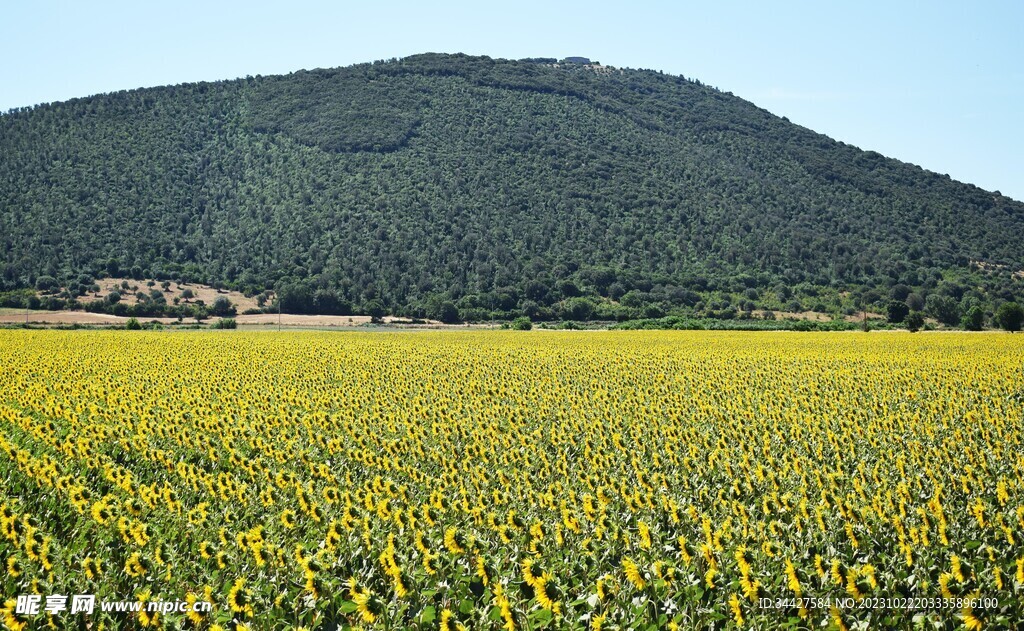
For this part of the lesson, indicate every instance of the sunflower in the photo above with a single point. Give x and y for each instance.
(14, 567)
(367, 605)
(737, 613)
(331, 495)
(136, 565)
(453, 541)
(239, 599)
(197, 618)
(101, 511)
(288, 518)
(206, 550)
(632, 572)
(791, 578)
(12, 621)
(92, 567)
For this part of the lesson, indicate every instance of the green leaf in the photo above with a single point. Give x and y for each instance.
(428, 615)
(347, 606)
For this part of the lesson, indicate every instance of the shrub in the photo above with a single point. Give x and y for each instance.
(225, 323)
(132, 325)
(897, 311)
(1010, 316)
(222, 307)
(973, 319)
(522, 324)
(943, 308)
(915, 321)
(46, 283)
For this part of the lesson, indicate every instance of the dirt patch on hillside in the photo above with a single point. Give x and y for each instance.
(814, 316)
(200, 294)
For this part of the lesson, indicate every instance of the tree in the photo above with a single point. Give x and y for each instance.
(899, 292)
(132, 325)
(576, 309)
(296, 298)
(46, 283)
(521, 324)
(187, 294)
(1010, 316)
(327, 302)
(114, 297)
(974, 319)
(375, 310)
(915, 321)
(897, 311)
(944, 309)
(443, 310)
(223, 308)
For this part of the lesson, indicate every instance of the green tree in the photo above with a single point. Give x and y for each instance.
(521, 324)
(576, 309)
(915, 320)
(223, 308)
(199, 313)
(974, 319)
(897, 311)
(943, 308)
(1010, 316)
(375, 310)
(443, 310)
(46, 283)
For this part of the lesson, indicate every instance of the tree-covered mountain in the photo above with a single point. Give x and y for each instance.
(496, 186)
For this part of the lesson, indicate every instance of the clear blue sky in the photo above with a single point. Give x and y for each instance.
(939, 84)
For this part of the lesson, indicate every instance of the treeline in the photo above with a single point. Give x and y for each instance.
(470, 188)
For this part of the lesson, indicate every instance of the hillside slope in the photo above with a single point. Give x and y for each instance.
(499, 185)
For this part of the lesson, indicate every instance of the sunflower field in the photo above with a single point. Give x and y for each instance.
(512, 480)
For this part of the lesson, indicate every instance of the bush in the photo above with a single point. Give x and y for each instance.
(577, 309)
(225, 323)
(1010, 316)
(132, 325)
(375, 310)
(915, 321)
(522, 324)
(222, 307)
(46, 283)
(944, 309)
(973, 319)
(442, 310)
(897, 311)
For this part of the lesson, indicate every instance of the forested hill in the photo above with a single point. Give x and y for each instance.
(497, 185)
